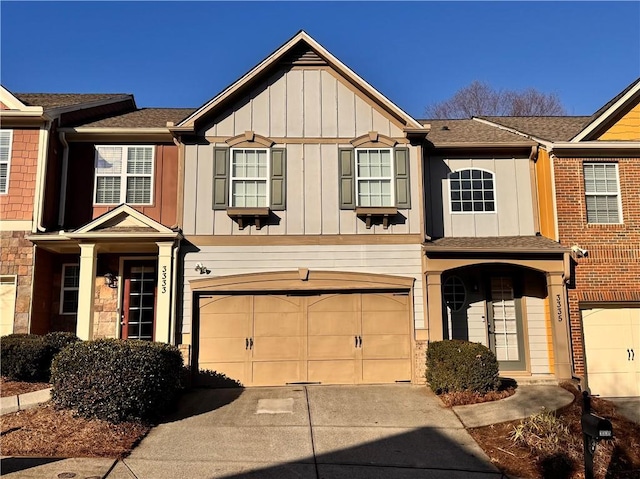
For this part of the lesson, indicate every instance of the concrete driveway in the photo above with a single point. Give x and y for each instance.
(395, 431)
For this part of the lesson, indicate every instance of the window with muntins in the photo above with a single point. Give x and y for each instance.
(374, 177)
(6, 137)
(472, 191)
(602, 192)
(69, 290)
(454, 292)
(124, 174)
(249, 178)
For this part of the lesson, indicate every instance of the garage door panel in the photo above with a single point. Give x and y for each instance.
(331, 347)
(275, 348)
(385, 370)
(386, 346)
(607, 360)
(333, 372)
(279, 303)
(270, 373)
(385, 323)
(278, 324)
(385, 302)
(333, 323)
(225, 325)
(609, 385)
(225, 304)
(222, 349)
(232, 370)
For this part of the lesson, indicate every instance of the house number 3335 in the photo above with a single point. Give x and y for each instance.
(163, 283)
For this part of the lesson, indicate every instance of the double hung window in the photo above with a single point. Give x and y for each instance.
(249, 178)
(602, 192)
(374, 177)
(69, 290)
(6, 137)
(124, 174)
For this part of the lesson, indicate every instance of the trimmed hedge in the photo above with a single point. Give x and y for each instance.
(27, 357)
(455, 365)
(117, 380)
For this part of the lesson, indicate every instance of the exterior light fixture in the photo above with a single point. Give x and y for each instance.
(111, 280)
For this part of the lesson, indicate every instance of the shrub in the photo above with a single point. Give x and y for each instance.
(58, 340)
(25, 357)
(542, 433)
(117, 380)
(455, 365)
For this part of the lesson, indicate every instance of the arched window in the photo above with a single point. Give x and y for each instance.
(455, 294)
(472, 190)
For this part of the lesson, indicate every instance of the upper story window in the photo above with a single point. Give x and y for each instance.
(124, 174)
(6, 138)
(249, 178)
(602, 191)
(374, 177)
(472, 190)
(69, 290)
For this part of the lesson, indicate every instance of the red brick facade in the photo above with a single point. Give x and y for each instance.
(610, 273)
(18, 203)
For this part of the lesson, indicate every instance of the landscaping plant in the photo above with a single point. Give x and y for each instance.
(117, 380)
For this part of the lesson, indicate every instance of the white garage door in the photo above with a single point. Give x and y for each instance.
(342, 338)
(7, 304)
(612, 350)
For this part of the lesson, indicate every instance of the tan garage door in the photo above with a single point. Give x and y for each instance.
(612, 350)
(348, 338)
(7, 304)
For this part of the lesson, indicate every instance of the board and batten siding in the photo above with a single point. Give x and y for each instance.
(397, 260)
(538, 335)
(514, 215)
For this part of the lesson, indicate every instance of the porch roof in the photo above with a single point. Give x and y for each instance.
(497, 244)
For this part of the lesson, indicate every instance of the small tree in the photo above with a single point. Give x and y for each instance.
(480, 99)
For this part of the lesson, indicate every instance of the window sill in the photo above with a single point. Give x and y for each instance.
(377, 212)
(243, 215)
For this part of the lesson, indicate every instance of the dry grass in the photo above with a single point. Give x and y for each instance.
(47, 432)
(550, 446)
(12, 388)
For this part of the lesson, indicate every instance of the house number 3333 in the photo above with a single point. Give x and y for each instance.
(163, 283)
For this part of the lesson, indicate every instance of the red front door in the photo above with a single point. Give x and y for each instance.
(139, 302)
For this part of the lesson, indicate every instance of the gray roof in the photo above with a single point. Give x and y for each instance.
(450, 132)
(497, 244)
(142, 118)
(550, 128)
(57, 100)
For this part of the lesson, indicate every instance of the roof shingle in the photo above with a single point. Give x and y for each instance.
(497, 243)
(550, 128)
(448, 132)
(142, 118)
(58, 100)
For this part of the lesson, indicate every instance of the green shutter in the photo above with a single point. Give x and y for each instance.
(220, 178)
(278, 179)
(347, 179)
(403, 189)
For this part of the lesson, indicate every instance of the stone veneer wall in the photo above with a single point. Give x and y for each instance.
(16, 258)
(420, 357)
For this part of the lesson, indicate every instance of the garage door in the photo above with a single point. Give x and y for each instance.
(343, 338)
(612, 350)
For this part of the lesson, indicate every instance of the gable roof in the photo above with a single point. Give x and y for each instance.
(450, 133)
(609, 111)
(548, 128)
(123, 220)
(142, 118)
(318, 54)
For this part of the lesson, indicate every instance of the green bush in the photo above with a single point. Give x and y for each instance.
(455, 365)
(25, 357)
(58, 340)
(117, 380)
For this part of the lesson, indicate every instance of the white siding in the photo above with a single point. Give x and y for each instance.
(398, 260)
(538, 341)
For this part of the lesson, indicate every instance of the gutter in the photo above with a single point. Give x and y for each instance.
(448, 249)
(468, 145)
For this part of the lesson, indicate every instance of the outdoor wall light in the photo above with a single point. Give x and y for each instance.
(202, 269)
(111, 280)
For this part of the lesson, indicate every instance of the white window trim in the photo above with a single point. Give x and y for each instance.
(123, 175)
(63, 288)
(392, 177)
(618, 193)
(8, 159)
(495, 193)
(232, 179)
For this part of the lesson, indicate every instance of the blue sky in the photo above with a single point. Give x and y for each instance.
(181, 54)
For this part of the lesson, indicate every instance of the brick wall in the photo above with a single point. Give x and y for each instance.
(16, 258)
(611, 271)
(18, 203)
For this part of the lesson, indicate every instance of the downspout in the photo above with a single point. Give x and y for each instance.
(533, 157)
(63, 182)
(41, 173)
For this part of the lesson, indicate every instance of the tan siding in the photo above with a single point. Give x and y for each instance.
(295, 190)
(329, 98)
(242, 119)
(363, 117)
(330, 200)
(295, 103)
(312, 104)
(400, 260)
(260, 108)
(190, 185)
(204, 193)
(525, 198)
(278, 107)
(346, 112)
(381, 124)
(312, 190)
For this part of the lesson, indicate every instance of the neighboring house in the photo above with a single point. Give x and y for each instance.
(30, 165)
(303, 223)
(490, 275)
(589, 185)
(111, 258)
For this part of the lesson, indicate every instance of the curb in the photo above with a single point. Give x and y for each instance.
(24, 401)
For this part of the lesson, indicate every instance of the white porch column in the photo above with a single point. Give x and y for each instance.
(163, 301)
(560, 325)
(86, 290)
(434, 304)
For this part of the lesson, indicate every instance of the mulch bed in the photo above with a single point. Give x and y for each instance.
(47, 432)
(462, 398)
(618, 458)
(12, 388)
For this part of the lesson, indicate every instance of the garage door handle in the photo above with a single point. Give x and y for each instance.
(356, 338)
(250, 343)
(633, 355)
(246, 343)
(360, 341)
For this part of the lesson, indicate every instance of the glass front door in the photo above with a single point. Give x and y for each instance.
(138, 316)
(505, 325)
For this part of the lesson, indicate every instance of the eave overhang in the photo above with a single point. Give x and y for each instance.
(152, 135)
(596, 149)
